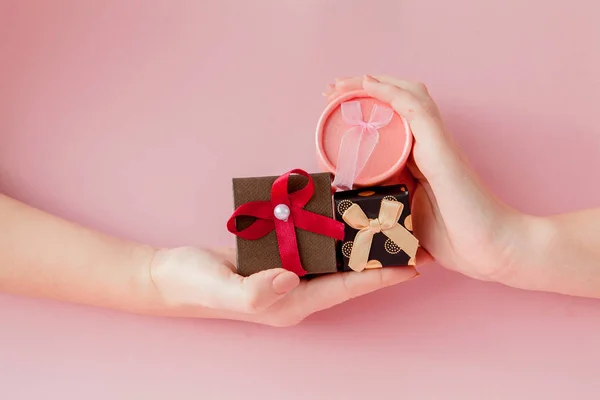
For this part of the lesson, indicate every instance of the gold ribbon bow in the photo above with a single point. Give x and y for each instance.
(386, 223)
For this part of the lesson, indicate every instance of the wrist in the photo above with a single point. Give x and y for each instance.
(145, 297)
(533, 237)
(173, 281)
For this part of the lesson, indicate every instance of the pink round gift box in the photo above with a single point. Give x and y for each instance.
(390, 154)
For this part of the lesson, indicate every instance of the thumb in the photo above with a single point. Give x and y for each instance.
(261, 290)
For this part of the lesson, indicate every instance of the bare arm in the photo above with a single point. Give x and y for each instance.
(45, 256)
(561, 254)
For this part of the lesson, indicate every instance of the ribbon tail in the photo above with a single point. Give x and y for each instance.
(361, 247)
(403, 238)
(369, 141)
(285, 230)
(347, 159)
(288, 246)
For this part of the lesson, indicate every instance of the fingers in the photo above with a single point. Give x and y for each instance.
(259, 291)
(356, 83)
(404, 101)
(328, 291)
(329, 91)
(409, 99)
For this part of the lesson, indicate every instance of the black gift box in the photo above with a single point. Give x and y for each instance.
(383, 249)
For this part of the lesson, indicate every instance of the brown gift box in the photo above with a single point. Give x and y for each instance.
(317, 252)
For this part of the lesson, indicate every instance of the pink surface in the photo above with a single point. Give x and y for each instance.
(120, 115)
(390, 154)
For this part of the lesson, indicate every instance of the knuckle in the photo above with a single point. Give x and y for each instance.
(428, 108)
(408, 101)
(422, 87)
(419, 106)
(425, 107)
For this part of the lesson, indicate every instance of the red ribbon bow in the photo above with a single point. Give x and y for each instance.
(266, 220)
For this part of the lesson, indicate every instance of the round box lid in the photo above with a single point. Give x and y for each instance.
(369, 133)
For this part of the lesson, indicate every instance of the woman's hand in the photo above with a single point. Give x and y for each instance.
(191, 282)
(457, 220)
(45, 256)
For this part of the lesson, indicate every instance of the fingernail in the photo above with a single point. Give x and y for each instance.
(285, 282)
(369, 78)
(330, 89)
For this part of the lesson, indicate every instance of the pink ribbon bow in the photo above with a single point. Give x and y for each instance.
(358, 142)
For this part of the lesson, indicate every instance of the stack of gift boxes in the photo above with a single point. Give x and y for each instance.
(344, 219)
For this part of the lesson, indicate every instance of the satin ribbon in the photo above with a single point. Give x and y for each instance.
(386, 223)
(285, 230)
(358, 142)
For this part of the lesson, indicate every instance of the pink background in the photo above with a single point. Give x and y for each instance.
(126, 116)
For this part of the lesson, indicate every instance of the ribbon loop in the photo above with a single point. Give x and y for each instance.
(352, 113)
(389, 213)
(355, 217)
(359, 141)
(386, 223)
(380, 116)
(285, 229)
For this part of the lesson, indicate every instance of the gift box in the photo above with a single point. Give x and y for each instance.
(378, 228)
(362, 141)
(286, 222)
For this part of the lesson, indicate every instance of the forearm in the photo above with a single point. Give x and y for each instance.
(561, 254)
(45, 256)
